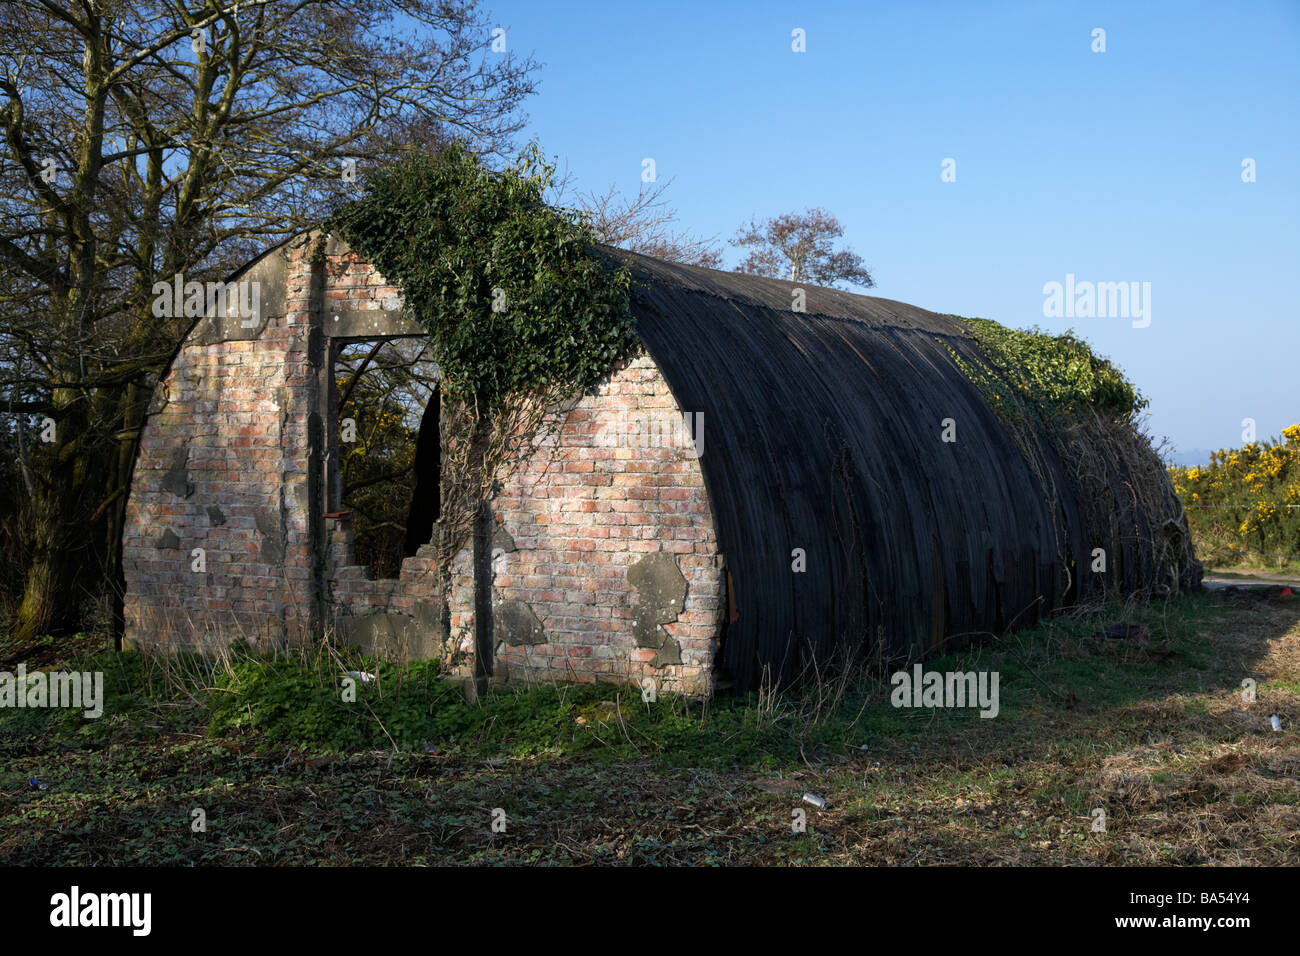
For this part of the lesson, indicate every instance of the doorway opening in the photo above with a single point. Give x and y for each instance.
(387, 407)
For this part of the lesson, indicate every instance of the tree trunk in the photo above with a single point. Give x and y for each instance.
(50, 602)
(45, 608)
(135, 403)
(70, 475)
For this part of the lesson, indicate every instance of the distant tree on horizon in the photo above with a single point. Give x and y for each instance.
(799, 247)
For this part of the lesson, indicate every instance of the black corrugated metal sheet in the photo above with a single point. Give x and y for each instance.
(822, 431)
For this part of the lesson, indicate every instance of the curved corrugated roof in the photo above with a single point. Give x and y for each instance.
(822, 432)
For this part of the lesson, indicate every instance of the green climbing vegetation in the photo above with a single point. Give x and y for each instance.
(514, 299)
(1055, 375)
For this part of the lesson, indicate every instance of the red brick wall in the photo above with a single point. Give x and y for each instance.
(237, 411)
(622, 482)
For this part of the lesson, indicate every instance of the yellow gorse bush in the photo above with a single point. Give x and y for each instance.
(1246, 500)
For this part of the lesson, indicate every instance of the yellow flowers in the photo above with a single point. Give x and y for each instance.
(1247, 500)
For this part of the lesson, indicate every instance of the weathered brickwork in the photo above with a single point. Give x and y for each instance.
(222, 467)
(622, 483)
(606, 565)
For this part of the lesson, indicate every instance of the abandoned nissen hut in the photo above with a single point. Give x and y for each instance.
(759, 489)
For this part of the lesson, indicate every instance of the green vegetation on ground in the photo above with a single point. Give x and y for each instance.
(1154, 730)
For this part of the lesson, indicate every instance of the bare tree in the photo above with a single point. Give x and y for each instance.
(144, 138)
(799, 246)
(645, 224)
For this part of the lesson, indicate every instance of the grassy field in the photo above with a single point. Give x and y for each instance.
(1154, 731)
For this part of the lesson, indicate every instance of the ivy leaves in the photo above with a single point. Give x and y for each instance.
(513, 299)
(1055, 373)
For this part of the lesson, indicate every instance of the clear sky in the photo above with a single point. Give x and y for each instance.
(1122, 166)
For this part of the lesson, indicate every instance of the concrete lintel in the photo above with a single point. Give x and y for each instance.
(375, 324)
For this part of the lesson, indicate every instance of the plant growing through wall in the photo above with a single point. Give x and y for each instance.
(521, 316)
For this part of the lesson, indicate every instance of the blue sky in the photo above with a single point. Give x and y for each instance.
(1117, 166)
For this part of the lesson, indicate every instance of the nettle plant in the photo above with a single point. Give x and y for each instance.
(522, 315)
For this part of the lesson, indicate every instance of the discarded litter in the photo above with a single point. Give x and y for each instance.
(37, 785)
(430, 748)
(814, 800)
(1276, 722)
(362, 676)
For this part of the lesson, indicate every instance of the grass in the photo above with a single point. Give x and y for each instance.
(1154, 733)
